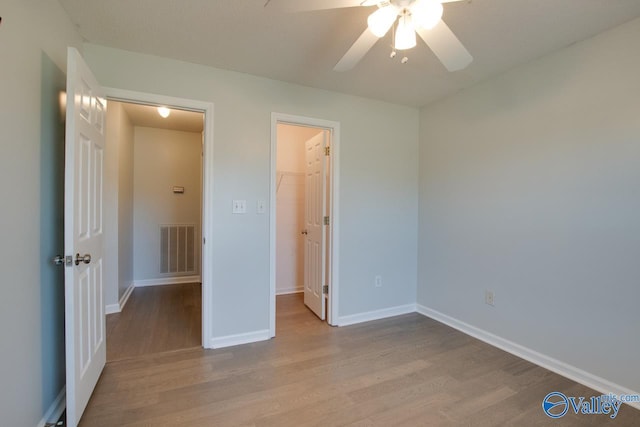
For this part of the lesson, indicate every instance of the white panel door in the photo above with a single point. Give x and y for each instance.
(83, 235)
(314, 259)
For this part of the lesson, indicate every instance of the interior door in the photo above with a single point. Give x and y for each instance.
(314, 260)
(83, 235)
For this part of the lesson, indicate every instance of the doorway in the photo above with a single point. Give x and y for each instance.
(207, 109)
(153, 213)
(304, 220)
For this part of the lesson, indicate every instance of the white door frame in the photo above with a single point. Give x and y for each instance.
(334, 209)
(207, 187)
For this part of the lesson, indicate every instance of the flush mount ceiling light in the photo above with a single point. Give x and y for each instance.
(413, 16)
(164, 112)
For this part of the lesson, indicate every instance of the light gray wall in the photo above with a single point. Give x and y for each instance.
(118, 203)
(52, 229)
(530, 186)
(378, 194)
(163, 159)
(33, 39)
(125, 204)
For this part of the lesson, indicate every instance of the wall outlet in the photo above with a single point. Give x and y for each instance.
(261, 206)
(377, 281)
(488, 297)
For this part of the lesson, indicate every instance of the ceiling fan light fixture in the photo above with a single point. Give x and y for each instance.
(405, 34)
(381, 20)
(427, 13)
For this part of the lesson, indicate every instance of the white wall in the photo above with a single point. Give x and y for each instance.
(378, 180)
(529, 186)
(118, 205)
(290, 196)
(163, 159)
(34, 36)
(125, 205)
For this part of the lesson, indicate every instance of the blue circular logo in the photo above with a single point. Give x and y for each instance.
(555, 404)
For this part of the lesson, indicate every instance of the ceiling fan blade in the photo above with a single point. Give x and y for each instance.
(311, 5)
(446, 46)
(357, 51)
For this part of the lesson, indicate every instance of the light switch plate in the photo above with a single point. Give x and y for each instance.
(239, 207)
(261, 206)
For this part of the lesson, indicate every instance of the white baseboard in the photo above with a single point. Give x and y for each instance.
(376, 314)
(246, 338)
(287, 291)
(112, 308)
(56, 409)
(167, 281)
(578, 375)
(125, 297)
(117, 308)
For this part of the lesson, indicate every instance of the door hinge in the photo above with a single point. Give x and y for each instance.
(326, 220)
(327, 150)
(325, 289)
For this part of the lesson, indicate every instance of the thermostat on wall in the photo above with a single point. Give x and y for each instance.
(178, 190)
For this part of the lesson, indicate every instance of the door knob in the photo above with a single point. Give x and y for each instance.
(86, 259)
(304, 232)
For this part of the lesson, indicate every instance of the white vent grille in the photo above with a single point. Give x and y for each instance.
(177, 248)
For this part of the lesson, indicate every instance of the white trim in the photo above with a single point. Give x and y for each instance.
(125, 297)
(334, 128)
(376, 314)
(334, 242)
(56, 409)
(117, 308)
(238, 339)
(207, 188)
(112, 309)
(561, 368)
(179, 280)
(287, 291)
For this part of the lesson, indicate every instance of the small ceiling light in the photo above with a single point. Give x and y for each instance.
(164, 112)
(381, 20)
(406, 33)
(426, 13)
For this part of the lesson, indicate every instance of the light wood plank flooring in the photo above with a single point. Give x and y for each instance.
(154, 320)
(405, 371)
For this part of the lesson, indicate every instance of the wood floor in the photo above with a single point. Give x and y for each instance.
(405, 371)
(154, 320)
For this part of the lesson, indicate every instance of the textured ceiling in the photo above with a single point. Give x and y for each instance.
(245, 36)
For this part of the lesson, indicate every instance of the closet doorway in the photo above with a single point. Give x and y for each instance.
(303, 220)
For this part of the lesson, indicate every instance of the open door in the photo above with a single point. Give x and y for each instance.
(314, 253)
(83, 235)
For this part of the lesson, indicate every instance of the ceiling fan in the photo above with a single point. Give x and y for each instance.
(413, 16)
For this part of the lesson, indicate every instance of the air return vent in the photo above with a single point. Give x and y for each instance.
(177, 248)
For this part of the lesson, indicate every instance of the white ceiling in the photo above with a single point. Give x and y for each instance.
(245, 36)
(147, 116)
